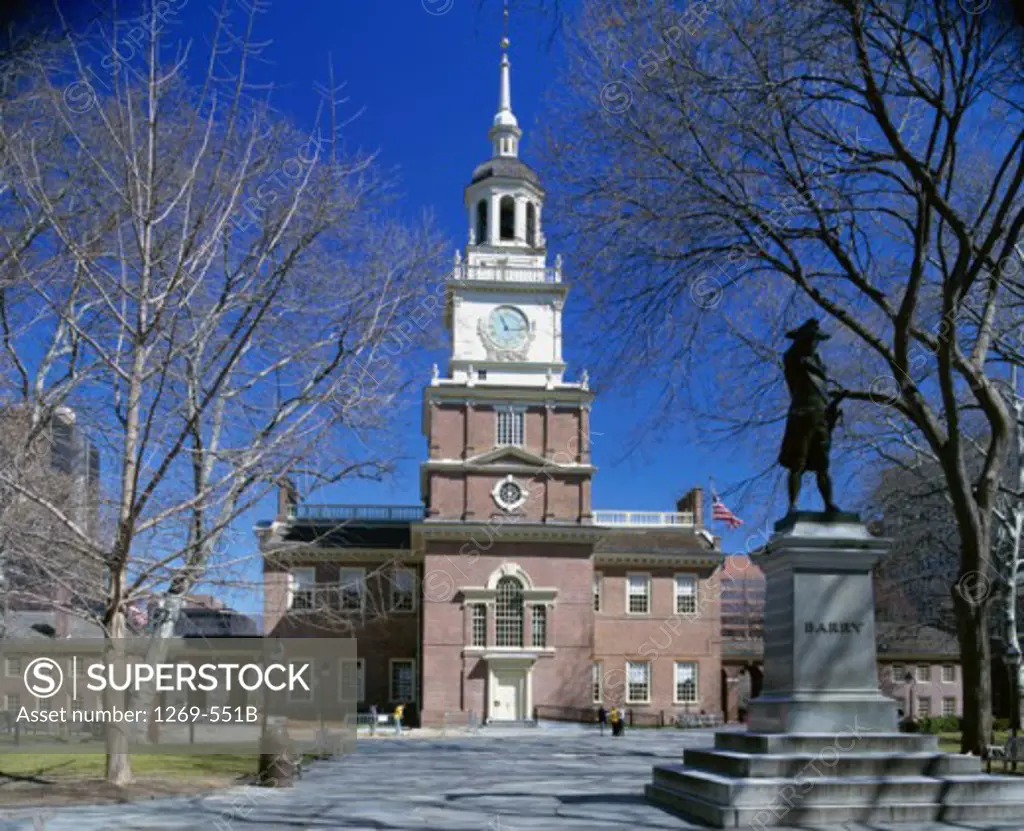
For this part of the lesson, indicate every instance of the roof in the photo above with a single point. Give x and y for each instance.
(507, 168)
(43, 624)
(908, 639)
(348, 534)
(654, 541)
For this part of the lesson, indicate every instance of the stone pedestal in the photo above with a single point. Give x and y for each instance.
(820, 665)
(822, 744)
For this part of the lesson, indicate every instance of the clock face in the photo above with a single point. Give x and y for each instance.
(508, 327)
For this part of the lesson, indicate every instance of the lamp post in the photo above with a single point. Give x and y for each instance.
(1013, 657)
(909, 679)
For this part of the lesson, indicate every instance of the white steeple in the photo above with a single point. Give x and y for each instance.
(505, 133)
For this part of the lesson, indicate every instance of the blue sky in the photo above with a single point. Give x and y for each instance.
(423, 89)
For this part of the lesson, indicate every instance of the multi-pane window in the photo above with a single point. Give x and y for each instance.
(949, 706)
(12, 702)
(303, 589)
(948, 674)
(511, 427)
(479, 625)
(352, 683)
(13, 667)
(403, 680)
(403, 590)
(595, 680)
(597, 592)
(686, 594)
(639, 590)
(897, 673)
(686, 682)
(351, 589)
(539, 633)
(508, 612)
(924, 672)
(638, 682)
(924, 706)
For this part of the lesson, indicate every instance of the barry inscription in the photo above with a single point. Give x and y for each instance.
(833, 627)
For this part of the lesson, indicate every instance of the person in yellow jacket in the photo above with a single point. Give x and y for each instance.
(615, 719)
(399, 711)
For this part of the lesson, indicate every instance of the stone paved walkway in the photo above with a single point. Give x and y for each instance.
(524, 780)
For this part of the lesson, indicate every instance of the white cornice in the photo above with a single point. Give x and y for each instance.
(497, 467)
(483, 594)
(506, 531)
(701, 560)
(292, 552)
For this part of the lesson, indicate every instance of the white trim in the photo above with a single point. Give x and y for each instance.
(472, 621)
(598, 682)
(650, 682)
(509, 570)
(675, 682)
(650, 592)
(360, 665)
(391, 590)
(362, 587)
(293, 585)
(676, 594)
(520, 423)
(524, 494)
(391, 680)
(302, 699)
(598, 592)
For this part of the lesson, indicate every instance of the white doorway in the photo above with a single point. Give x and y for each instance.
(507, 695)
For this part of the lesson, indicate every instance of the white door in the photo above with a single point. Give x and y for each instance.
(506, 697)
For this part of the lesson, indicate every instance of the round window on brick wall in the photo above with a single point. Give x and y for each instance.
(509, 494)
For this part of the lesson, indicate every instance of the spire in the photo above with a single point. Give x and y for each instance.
(505, 133)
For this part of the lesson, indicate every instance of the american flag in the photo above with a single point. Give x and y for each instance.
(722, 514)
(138, 615)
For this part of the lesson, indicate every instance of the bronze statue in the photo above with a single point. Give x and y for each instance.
(813, 413)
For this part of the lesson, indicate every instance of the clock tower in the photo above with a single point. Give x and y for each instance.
(508, 538)
(504, 404)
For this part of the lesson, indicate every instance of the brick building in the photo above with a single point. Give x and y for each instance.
(505, 595)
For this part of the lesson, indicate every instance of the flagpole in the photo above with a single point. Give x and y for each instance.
(707, 503)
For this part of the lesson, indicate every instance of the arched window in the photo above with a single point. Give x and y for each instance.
(531, 224)
(508, 612)
(481, 222)
(508, 218)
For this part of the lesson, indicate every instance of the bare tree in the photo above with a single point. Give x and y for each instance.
(729, 171)
(212, 291)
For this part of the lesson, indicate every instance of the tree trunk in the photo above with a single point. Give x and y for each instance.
(119, 765)
(975, 660)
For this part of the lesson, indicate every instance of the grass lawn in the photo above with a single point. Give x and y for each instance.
(950, 742)
(94, 764)
(67, 778)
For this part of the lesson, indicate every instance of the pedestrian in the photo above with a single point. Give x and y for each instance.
(615, 718)
(602, 718)
(399, 710)
(373, 719)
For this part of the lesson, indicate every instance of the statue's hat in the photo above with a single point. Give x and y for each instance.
(810, 329)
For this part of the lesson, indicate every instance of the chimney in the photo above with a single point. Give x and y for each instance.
(693, 502)
(287, 498)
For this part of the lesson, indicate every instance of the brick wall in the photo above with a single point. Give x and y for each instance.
(934, 689)
(662, 637)
(455, 679)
